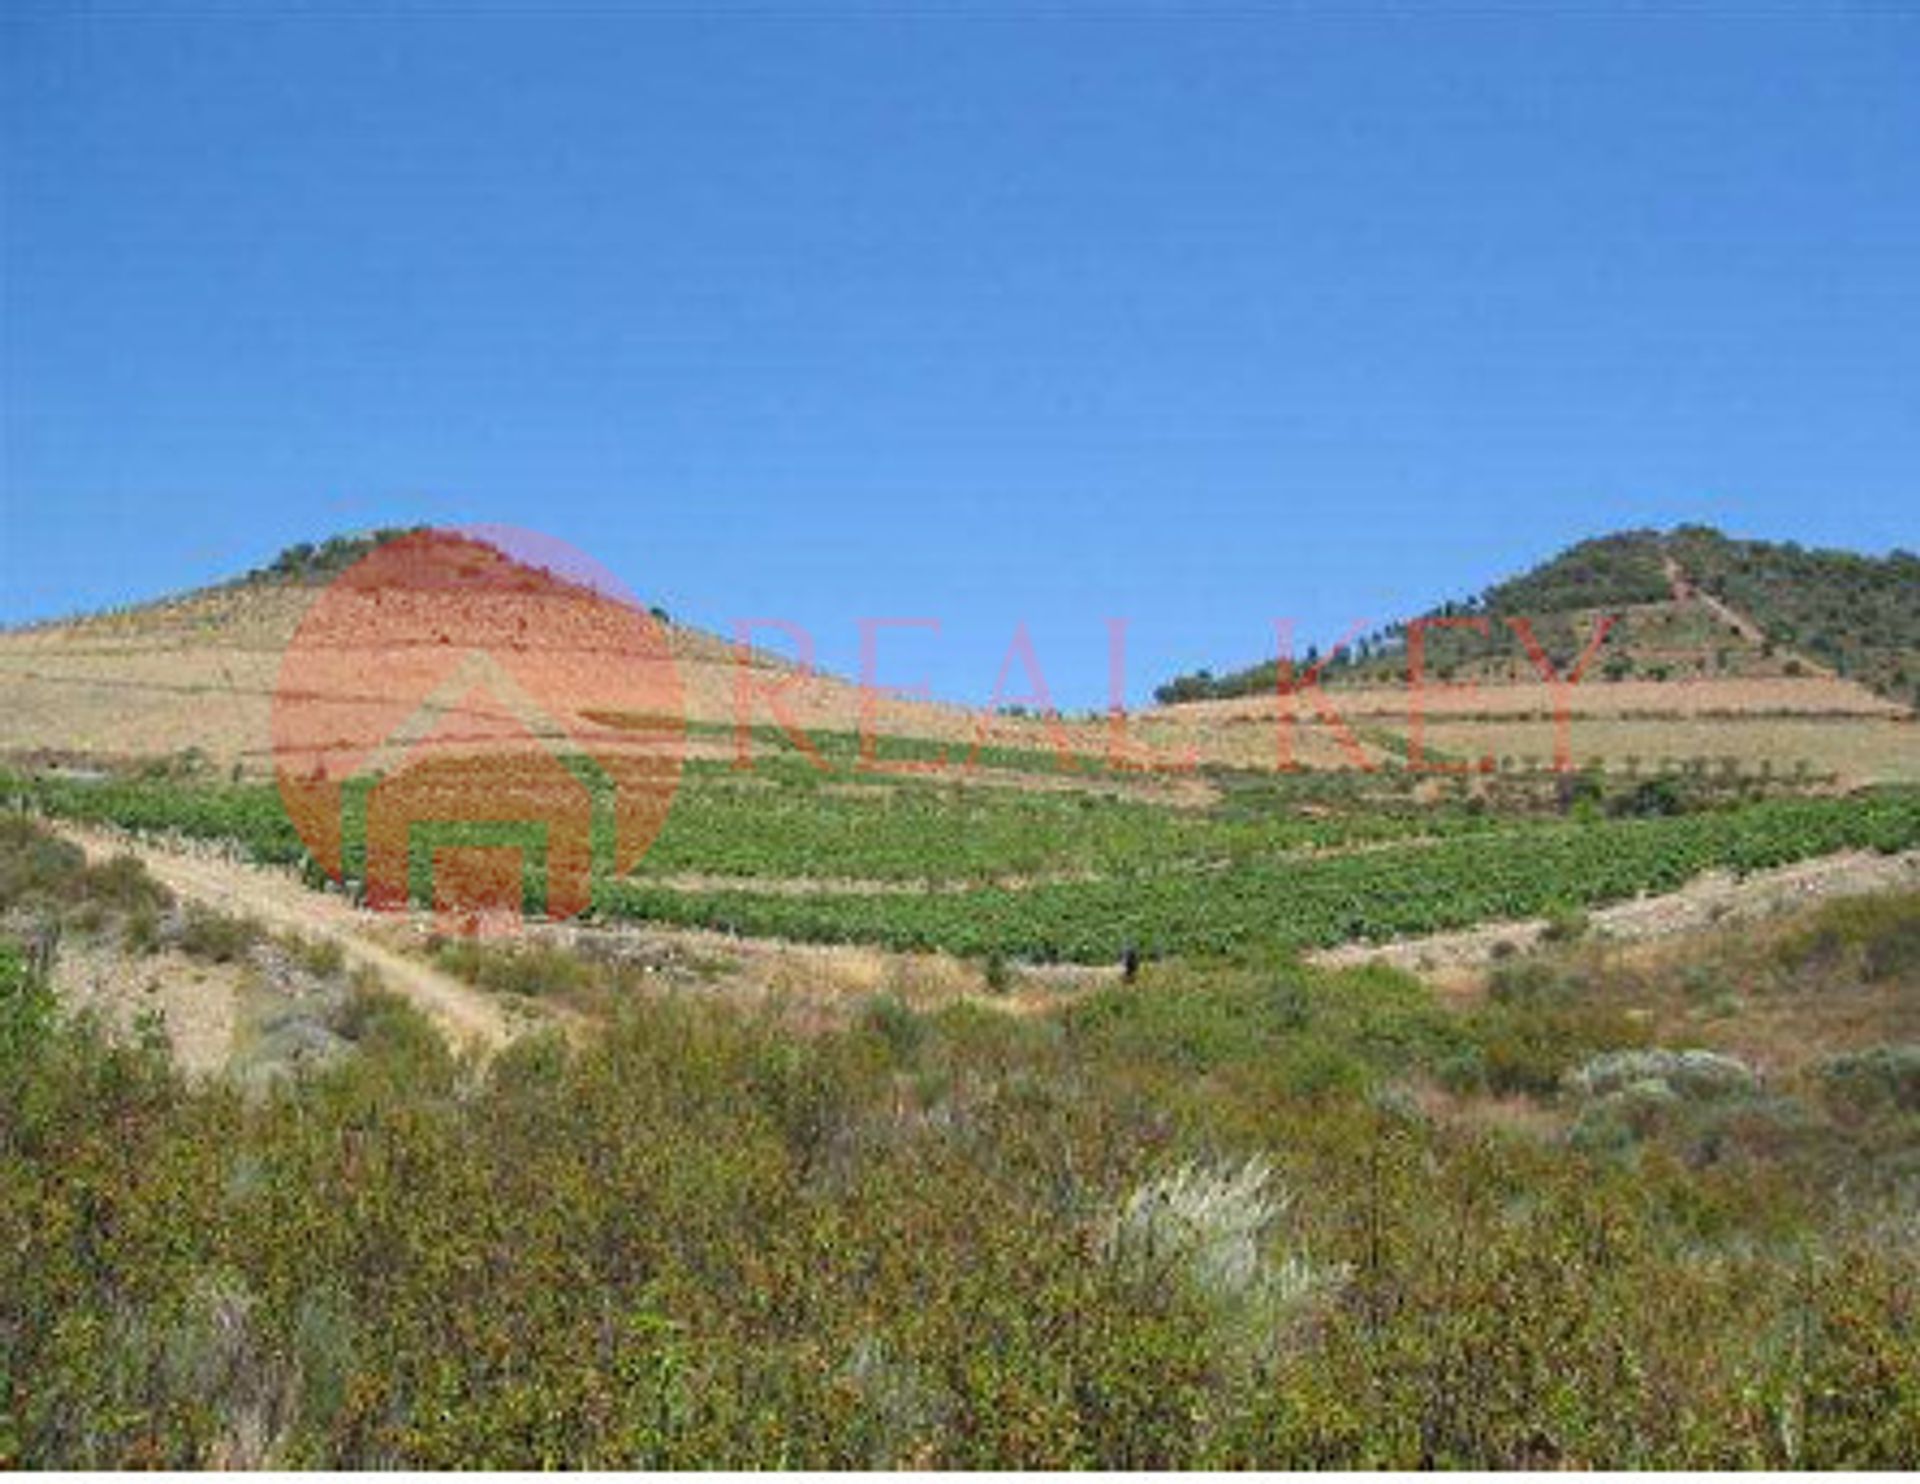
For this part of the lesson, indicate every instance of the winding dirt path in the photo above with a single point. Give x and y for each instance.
(1686, 590)
(466, 1016)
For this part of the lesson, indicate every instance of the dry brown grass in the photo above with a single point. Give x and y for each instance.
(1782, 696)
(200, 672)
(1732, 988)
(1860, 750)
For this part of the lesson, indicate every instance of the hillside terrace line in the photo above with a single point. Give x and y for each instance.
(754, 683)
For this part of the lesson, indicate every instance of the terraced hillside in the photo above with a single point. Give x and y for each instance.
(1007, 848)
(1665, 651)
(1692, 604)
(196, 674)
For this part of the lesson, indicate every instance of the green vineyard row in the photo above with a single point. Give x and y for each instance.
(1395, 891)
(724, 825)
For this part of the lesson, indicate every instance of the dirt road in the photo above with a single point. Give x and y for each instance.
(465, 1015)
(1685, 590)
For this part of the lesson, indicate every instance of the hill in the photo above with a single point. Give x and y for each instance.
(194, 673)
(1689, 604)
(1736, 657)
(1685, 675)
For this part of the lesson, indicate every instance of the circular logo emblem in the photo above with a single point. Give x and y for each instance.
(478, 720)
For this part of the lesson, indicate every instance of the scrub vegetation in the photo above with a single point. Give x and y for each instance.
(1065, 1156)
(1229, 1215)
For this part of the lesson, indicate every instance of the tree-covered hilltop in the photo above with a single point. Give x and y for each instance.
(1607, 572)
(1859, 615)
(310, 561)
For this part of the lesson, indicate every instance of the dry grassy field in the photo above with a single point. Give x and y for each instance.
(1853, 750)
(199, 673)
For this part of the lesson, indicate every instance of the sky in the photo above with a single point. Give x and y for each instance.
(995, 316)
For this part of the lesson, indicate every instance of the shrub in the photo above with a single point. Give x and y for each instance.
(123, 885)
(1894, 950)
(26, 1005)
(323, 958)
(895, 1023)
(35, 866)
(1530, 1040)
(217, 936)
(1209, 1227)
(1529, 981)
(1120, 1239)
(1564, 925)
(1200, 1223)
(1876, 936)
(1617, 1122)
(1651, 798)
(1873, 1080)
(530, 969)
(1311, 1033)
(143, 931)
(998, 976)
(1686, 1074)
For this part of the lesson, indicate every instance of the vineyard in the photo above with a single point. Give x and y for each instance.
(247, 815)
(1082, 877)
(908, 832)
(786, 820)
(1257, 904)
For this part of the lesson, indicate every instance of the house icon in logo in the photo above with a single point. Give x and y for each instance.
(479, 801)
(477, 722)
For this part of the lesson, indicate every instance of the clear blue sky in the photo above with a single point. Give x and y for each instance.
(958, 313)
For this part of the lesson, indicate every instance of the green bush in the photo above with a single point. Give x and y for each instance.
(896, 1024)
(1564, 925)
(530, 969)
(1528, 981)
(1877, 1079)
(35, 866)
(217, 936)
(999, 978)
(1529, 1042)
(26, 1009)
(49, 880)
(1876, 937)
(324, 958)
(143, 931)
(123, 885)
